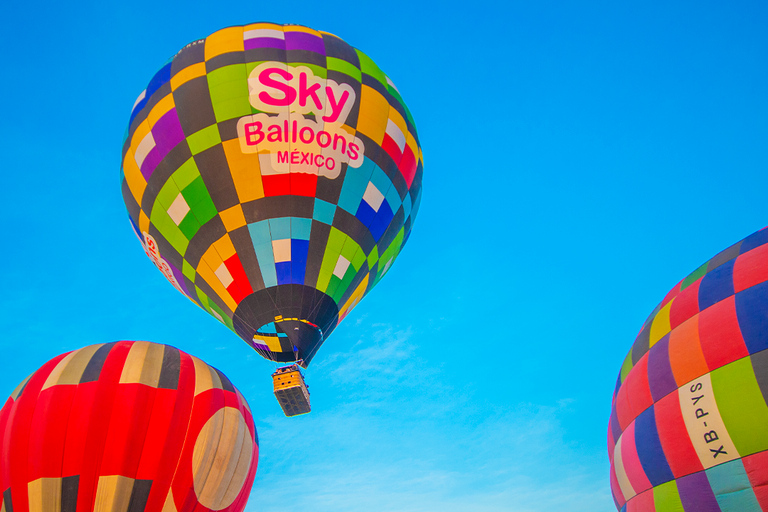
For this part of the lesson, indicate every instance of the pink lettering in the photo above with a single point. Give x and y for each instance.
(308, 92)
(289, 95)
(336, 108)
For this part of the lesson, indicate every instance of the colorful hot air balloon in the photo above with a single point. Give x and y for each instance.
(273, 174)
(126, 427)
(689, 426)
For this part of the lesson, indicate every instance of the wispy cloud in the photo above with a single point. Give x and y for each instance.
(438, 449)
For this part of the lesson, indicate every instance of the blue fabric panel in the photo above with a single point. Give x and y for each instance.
(716, 285)
(283, 271)
(381, 221)
(406, 206)
(649, 449)
(300, 228)
(355, 182)
(732, 488)
(280, 228)
(365, 213)
(393, 198)
(299, 250)
(380, 180)
(260, 232)
(324, 211)
(754, 240)
(751, 307)
(614, 424)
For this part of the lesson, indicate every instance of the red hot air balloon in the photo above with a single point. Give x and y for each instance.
(126, 426)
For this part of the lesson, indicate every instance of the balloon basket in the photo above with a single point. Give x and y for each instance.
(291, 390)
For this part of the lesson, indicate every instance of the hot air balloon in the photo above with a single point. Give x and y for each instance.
(689, 425)
(124, 427)
(273, 174)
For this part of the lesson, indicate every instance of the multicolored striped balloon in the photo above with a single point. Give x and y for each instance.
(689, 426)
(273, 174)
(126, 427)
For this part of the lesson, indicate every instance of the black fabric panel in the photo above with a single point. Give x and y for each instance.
(317, 242)
(94, 366)
(139, 495)
(304, 57)
(724, 256)
(7, 500)
(69, 486)
(642, 344)
(162, 173)
(193, 105)
(193, 53)
(760, 366)
(225, 59)
(169, 373)
(134, 210)
(214, 168)
(265, 54)
(351, 226)
(241, 239)
(228, 129)
(277, 206)
(337, 48)
(392, 230)
(167, 251)
(226, 385)
(208, 233)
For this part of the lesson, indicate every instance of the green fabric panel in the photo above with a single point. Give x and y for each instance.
(626, 367)
(228, 87)
(323, 278)
(369, 67)
(318, 71)
(224, 316)
(358, 259)
(333, 286)
(233, 107)
(188, 271)
(166, 196)
(373, 257)
(204, 139)
(693, 277)
(199, 201)
(189, 226)
(741, 406)
(185, 174)
(228, 74)
(666, 498)
(169, 230)
(202, 296)
(345, 67)
(349, 275)
(349, 249)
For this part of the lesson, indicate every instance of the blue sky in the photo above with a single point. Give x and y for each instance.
(580, 159)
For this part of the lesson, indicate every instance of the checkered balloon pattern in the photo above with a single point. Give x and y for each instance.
(126, 426)
(689, 425)
(273, 174)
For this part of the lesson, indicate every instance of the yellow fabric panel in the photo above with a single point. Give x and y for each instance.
(233, 218)
(398, 120)
(143, 364)
(272, 342)
(143, 223)
(356, 296)
(268, 26)
(245, 171)
(133, 177)
(205, 271)
(169, 505)
(187, 74)
(410, 141)
(224, 41)
(221, 458)
(113, 494)
(374, 112)
(203, 381)
(159, 110)
(71, 368)
(224, 247)
(660, 326)
(44, 495)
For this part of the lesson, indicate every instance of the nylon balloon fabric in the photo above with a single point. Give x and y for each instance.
(126, 427)
(689, 424)
(273, 174)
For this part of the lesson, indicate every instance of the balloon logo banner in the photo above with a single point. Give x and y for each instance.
(276, 173)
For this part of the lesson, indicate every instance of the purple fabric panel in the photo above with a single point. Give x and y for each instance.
(696, 493)
(660, 377)
(304, 41)
(149, 164)
(263, 42)
(167, 132)
(180, 279)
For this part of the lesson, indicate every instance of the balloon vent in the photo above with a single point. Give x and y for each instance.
(291, 390)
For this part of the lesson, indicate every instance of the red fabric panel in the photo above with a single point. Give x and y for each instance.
(720, 335)
(46, 447)
(750, 269)
(756, 466)
(276, 185)
(390, 146)
(127, 430)
(303, 184)
(240, 287)
(686, 305)
(681, 455)
(638, 389)
(408, 165)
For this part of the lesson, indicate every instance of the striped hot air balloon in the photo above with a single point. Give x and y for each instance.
(689, 426)
(273, 174)
(125, 427)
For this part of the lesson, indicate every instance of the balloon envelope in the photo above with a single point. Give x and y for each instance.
(689, 425)
(273, 174)
(126, 426)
